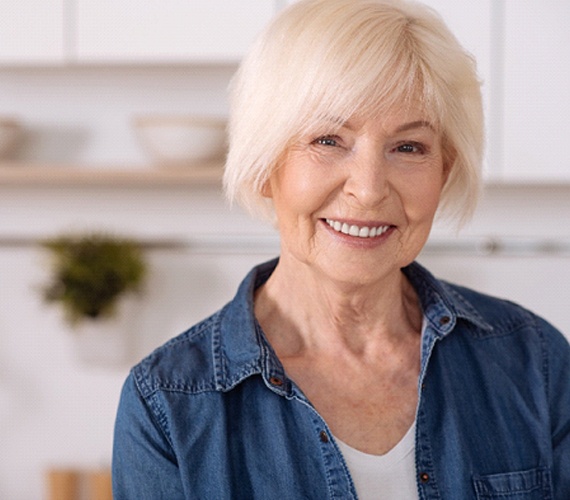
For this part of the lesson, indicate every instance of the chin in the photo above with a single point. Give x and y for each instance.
(360, 273)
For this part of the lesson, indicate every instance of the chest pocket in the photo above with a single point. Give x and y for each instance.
(534, 484)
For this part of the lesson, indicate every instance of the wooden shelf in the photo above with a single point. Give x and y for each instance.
(15, 174)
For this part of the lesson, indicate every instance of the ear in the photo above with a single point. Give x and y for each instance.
(266, 190)
(449, 157)
(268, 186)
(447, 167)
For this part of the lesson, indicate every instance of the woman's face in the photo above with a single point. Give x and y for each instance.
(357, 204)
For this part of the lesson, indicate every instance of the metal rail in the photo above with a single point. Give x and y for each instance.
(262, 244)
(496, 246)
(204, 244)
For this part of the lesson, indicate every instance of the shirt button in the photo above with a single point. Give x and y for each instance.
(324, 437)
(424, 477)
(444, 320)
(276, 381)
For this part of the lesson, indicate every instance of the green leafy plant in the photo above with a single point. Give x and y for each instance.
(91, 272)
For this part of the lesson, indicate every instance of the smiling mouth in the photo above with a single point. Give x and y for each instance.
(358, 231)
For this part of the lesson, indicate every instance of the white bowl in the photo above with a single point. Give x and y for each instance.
(179, 140)
(10, 132)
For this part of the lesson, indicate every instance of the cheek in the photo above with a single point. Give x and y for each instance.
(299, 189)
(423, 199)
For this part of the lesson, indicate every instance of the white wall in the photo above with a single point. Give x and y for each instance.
(56, 409)
(84, 114)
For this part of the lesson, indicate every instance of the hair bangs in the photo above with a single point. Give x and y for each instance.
(322, 62)
(374, 70)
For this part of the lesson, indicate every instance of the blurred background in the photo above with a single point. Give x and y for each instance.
(77, 80)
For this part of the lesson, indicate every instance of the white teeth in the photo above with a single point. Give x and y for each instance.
(353, 230)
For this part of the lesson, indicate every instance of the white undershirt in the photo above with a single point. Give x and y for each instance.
(384, 477)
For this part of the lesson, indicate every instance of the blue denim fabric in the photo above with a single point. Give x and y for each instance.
(211, 415)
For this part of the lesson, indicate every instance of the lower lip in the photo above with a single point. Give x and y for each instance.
(358, 242)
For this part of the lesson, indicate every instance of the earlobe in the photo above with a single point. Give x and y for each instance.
(266, 190)
(448, 165)
(446, 171)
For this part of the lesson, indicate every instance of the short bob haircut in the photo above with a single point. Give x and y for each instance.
(337, 58)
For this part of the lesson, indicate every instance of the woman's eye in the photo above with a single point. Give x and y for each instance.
(326, 140)
(410, 147)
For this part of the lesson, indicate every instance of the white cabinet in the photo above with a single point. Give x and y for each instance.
(166, 31)
(471, 23)
(536, 127)
(31, 32)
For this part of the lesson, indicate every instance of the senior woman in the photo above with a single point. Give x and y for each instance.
(344, 369)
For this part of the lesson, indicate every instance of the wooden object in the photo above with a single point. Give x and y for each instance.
(99, 485)
(62, 484)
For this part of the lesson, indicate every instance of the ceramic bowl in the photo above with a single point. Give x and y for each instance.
(10, 133)
(179, 140)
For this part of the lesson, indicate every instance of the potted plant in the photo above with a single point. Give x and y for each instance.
(91, 273)
(90, 277)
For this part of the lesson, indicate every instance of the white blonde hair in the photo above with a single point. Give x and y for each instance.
(336, 58)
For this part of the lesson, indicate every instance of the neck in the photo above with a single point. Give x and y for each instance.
(301, 311)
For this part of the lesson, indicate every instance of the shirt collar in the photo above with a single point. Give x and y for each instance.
(241, 349)
(442, 303)
(239, 345)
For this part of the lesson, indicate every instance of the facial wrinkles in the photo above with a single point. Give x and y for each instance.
(298, 155)
(360, 137)
(424, 133)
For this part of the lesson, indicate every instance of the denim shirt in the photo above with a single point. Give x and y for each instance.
(211, 415)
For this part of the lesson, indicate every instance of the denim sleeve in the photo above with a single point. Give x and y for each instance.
(558, 372)
(144, 465)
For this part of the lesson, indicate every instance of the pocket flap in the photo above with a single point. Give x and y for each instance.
(534, 483)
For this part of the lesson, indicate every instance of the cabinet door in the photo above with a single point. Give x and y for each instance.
(168, 30)
(31, 32)
(471, 23)
(537, 90)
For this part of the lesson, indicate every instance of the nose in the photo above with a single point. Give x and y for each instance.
(367, 179)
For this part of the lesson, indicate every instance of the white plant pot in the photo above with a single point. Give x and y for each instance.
(107, 341)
